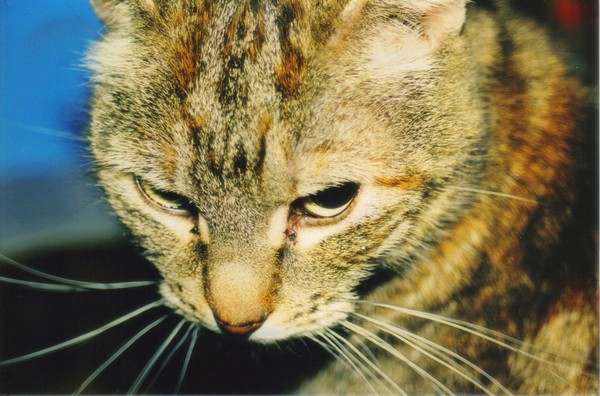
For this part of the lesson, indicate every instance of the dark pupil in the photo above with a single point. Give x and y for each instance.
(174, 199)
(335, 197)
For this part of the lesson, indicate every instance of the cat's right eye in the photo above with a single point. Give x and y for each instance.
(165, 199)
(330, 202)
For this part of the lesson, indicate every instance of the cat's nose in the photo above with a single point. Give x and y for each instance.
(244, 329)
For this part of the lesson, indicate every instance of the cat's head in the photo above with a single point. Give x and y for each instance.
(269, 156)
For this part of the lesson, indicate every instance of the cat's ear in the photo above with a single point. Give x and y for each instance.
(112, 12)
(440, 19)
(105, 10)
(436, 20)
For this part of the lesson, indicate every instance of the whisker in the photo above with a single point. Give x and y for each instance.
(436, 384)
(72, 282)
(43, 130)
(372, 365)
(564, 381)
(500, 339)
(357, 362)
(348, 358)
(166, 361)
(495, 193)
(367, 350)
(331, 351)
(188, 356)
(438, 350)
(52, 287)
(81, 338)
(118, 353)
(146, 370)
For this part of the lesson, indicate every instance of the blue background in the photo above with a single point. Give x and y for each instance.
(47, 196)
(43, 85)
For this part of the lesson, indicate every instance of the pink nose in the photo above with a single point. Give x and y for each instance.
(239, 329)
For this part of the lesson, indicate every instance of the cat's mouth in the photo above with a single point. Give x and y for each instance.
(283, 322)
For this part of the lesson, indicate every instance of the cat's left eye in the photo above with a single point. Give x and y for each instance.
(165, 199)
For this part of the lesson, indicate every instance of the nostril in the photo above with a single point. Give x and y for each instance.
(244, 329)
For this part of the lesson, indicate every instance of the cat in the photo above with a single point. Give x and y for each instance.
(391, 181)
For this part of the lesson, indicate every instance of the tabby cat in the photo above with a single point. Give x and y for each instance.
(391, 180)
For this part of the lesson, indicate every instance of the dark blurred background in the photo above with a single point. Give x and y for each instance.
(52, 215)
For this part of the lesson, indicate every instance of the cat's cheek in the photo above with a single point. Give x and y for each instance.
(284, 324)
(181, 227)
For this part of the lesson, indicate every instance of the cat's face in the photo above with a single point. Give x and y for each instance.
(269, 157)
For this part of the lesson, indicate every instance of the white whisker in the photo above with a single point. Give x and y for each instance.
(43, 130)
(359, 366)
(495, 337)
(367, 350)
(188, 356)
(81, 338)
(436, 384)
(564, 381)
(495, 193)
(372, 365)
(146, 370)
(439, 351)
(65, 281)
(118, 353)
(41, 285)
(348, 358)
(174, 350)
(332, 352)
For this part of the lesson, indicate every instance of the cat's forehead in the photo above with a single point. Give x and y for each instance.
(232, 44)
(239, 67)
(247, 91)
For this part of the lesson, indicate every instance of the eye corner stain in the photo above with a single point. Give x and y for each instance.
(291, 235)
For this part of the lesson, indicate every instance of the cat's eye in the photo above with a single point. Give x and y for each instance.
(331, 201)
(165, 199)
